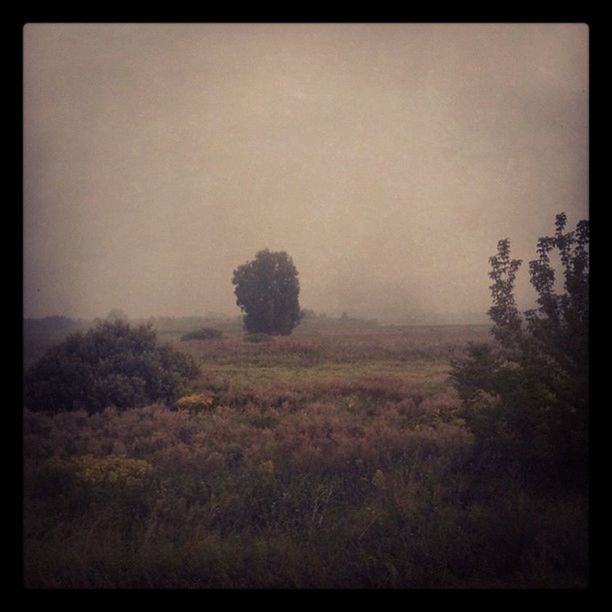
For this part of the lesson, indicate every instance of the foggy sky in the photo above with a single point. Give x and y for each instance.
(387, 160)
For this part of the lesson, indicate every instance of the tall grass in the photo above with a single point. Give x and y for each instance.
(354, 475)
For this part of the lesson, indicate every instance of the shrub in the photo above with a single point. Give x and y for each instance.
(95, 471)
(206, 333)
(112, 469)
(258, 337)
(197, 402)
(109, 365)
(526, 398)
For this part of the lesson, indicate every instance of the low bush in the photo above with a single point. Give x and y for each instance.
(112, 364)
(206, 333)
(258, 337)
(197, 402)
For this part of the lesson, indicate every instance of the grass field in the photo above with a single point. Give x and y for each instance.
(333, 458)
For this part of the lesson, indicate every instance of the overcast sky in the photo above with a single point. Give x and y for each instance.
(387, 160)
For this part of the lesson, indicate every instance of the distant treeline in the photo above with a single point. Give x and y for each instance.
(52, 325)
(56, 325)
(61, 325)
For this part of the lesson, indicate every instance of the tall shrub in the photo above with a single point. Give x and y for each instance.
(526, 397)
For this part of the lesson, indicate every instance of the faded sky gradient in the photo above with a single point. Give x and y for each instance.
(387, 160)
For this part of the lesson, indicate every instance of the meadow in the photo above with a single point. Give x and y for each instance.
(336, 457)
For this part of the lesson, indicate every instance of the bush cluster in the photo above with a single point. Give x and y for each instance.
(111, 364)
(258, 337)
(206, 333)
(196, 402)
(526, 396)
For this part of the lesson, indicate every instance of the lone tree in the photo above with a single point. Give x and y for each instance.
(526, 396)
(267, 290)
(111, 364)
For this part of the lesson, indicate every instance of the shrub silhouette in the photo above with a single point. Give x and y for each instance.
(258, 337)
(112, 364)
(206, 333)
(526, 397)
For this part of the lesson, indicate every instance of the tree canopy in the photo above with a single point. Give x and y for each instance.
(267, 290)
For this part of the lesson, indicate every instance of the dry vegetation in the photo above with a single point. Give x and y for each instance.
(316, 460)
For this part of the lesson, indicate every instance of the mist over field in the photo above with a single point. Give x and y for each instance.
(386, 160)
(277, 331)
